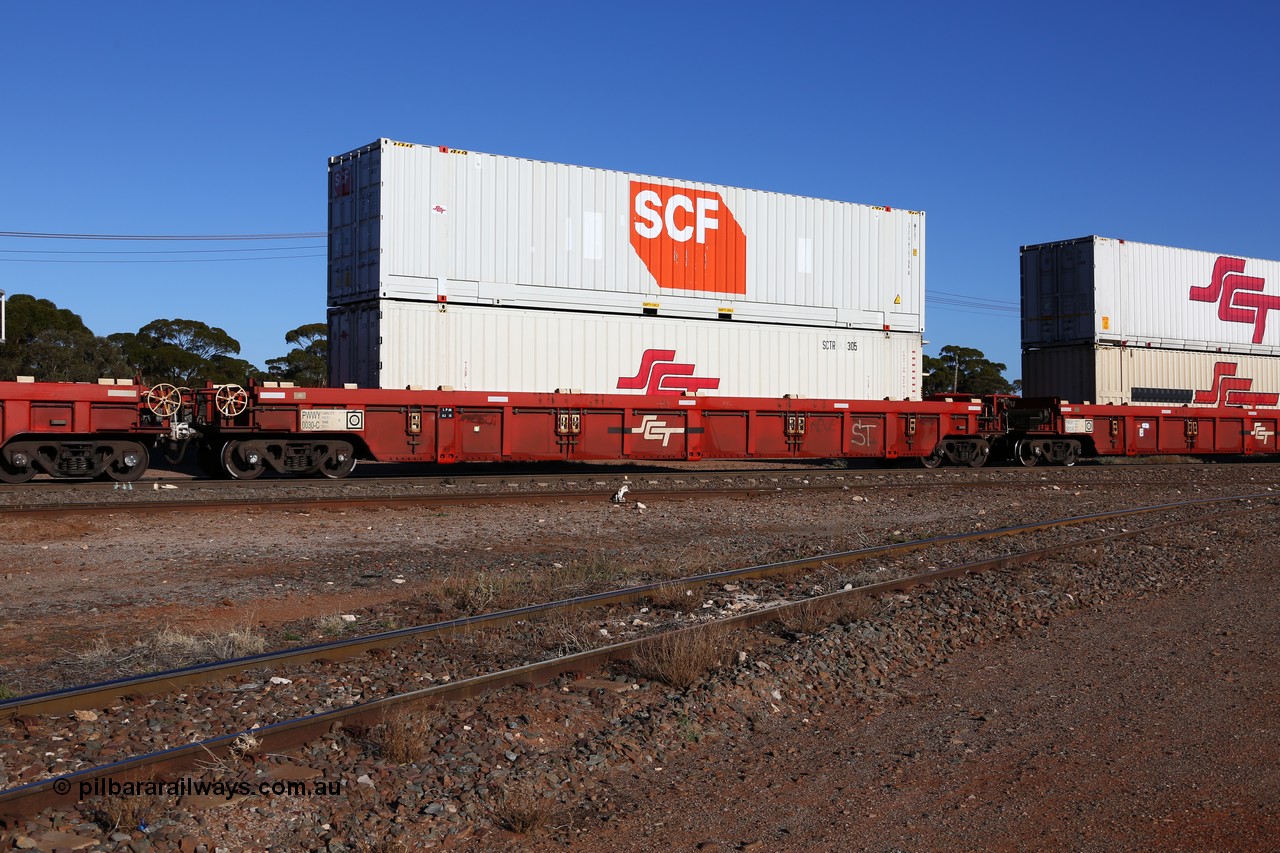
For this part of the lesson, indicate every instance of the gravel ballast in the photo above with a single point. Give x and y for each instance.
(1038, 707)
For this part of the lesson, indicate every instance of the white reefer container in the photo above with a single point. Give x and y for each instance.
(1105, 291)
(431, 223)
(398, 344)
(1142, 375)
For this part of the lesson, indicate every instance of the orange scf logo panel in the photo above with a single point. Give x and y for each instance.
(688, 239)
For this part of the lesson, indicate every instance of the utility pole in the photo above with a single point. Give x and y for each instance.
(1, 316)
(955, 378)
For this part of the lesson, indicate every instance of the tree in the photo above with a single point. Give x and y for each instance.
(308, 363)
(184, 352)
(964, 370)
(54, 345)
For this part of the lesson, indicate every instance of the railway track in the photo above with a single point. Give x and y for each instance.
(286, 734)
(452, 490)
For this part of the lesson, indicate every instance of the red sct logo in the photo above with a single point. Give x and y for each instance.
(688, 239)
(1229, 390)
(660, 374)
(1240, 298)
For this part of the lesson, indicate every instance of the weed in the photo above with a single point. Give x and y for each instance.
(403, 737)
(808, 617)
(564, 633)
(6, 692)
(169, 648)
(519, 809)
(122, 814)
(333, 625)
(855, 609)
(680, 658)
(675, 596)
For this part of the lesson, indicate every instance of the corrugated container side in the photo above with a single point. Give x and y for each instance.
(1142, 376)
(423, 223)
(1099, 290)
(392, 344)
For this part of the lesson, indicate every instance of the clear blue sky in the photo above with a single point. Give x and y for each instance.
(1007, 123)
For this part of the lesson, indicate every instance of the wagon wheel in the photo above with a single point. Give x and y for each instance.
(1073, 453)
(10, 473)
(980, 456)
(132, 462)
(231, 400)
(340, 462)
(1026, 453)
(237, 465)
(164, 400)
(934, 459)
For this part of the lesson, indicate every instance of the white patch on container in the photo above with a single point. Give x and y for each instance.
(842, 405)
(688, 402)
(114, 392)
(493, 399)
(270, 395)
(592, 235)
(804, 255)
(1078, 425)
(331, 420)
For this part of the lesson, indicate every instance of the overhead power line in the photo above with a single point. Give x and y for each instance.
(40, 235)
(972, 298)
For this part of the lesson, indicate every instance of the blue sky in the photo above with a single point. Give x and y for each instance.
(1008, 124)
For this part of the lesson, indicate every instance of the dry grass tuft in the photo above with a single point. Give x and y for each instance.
(855, 608)
(815, 616)
(563, 633)
(170, 648)
(519, 809)
(676, 596)
(680, 658)
(122, 814)
(808, 617)
(596, 572)
(404, 737)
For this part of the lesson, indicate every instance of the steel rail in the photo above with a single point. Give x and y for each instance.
(139, 505)
(289, 734)
(104, 693)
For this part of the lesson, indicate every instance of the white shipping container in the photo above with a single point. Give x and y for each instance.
(440, 224)
(391, 344)
(1099, 290)
(1149, 376)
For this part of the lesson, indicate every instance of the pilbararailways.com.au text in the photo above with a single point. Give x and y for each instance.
(108, 787)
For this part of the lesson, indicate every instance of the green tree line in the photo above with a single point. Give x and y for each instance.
(964, 370)
(53, 344)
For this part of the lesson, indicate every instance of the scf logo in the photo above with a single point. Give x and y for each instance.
(688, 239)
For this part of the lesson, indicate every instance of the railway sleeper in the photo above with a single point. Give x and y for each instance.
(247, 460)
(73, 458)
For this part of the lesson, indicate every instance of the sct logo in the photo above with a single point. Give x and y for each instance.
(1228, 391)
(653, 429)
(1240, 298)
(688, 239)
(659, 374)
